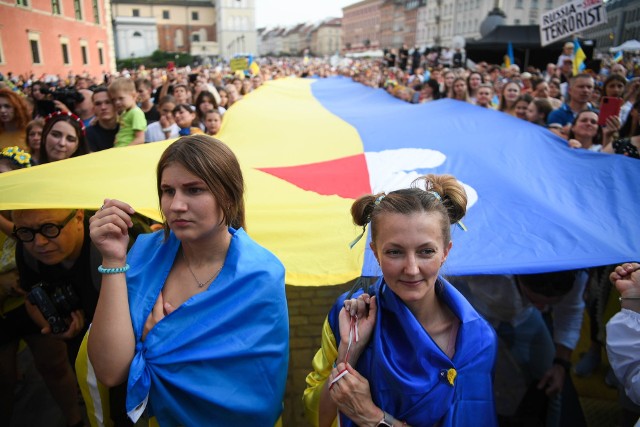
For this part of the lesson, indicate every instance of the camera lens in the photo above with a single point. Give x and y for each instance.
(65, 299)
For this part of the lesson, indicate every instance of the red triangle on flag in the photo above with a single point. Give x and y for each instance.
(346, 177)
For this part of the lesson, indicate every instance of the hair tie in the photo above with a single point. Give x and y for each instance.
(68, 114)
(435, 194)
(364, 227)
(429, 189)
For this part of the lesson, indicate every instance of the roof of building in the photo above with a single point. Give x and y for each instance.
(522, 36)
(331, 22)
(196, 3)
(360, 4)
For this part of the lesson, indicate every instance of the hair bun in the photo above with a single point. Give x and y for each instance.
(451, 192)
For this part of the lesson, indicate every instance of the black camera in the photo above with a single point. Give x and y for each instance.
(69, 96)
(55, 302)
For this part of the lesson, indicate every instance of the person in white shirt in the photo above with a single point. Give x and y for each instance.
(166, 127)
(623, 330)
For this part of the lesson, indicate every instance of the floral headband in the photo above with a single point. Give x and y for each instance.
(68, 114)
(17, 155)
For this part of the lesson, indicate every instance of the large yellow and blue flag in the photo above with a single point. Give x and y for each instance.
(309, 148)
(578, 58)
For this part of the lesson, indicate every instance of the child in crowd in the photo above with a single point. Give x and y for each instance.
(212, 122)
(131, 118)
(181, 94)
(184, 117)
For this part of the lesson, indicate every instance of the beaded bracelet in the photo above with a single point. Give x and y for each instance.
(116, 270)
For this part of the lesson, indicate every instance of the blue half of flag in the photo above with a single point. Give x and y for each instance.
(538, 204)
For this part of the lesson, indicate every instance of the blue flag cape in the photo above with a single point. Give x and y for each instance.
(407, 371)
(219, 359)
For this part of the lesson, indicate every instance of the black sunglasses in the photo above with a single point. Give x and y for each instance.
(48, 230)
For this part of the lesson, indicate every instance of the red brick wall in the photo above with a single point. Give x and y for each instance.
(15, 22)
(308, 307)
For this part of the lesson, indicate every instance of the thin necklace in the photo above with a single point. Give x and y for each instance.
(201, 284)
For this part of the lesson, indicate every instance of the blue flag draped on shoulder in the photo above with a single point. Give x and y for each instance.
(309, 148)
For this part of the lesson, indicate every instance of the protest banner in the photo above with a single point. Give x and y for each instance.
(239, 63)
(571, 18)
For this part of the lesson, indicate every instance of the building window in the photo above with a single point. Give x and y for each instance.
(24, 3)
(85, 55)
(534, 4)
(96, 11)
(100, 56)
(1, 53)
(65, 54)
(195, 38)
(549, 4)
(35, 51)
(55, 7)
(195, 16)
(165, 14)
(135, 12)
(137, 34)
(516, 22)
(77, 8)
(519, 4)
(34, 45)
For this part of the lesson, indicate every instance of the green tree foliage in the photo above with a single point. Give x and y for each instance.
(158, 59)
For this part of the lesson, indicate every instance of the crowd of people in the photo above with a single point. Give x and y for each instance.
(182, 355)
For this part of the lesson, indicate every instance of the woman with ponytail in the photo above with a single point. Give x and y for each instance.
(409, 349)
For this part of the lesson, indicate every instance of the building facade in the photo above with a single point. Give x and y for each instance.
(236, 27)
(361, 26)
(326, 37)
(270, 41)
(143, 26)
(411, 8)
(623, 23)
(48, 38)
(439, 21)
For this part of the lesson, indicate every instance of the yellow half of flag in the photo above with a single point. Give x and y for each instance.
(279, 125)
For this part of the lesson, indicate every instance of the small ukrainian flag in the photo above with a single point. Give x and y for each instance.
(618, 57)
(579, 58)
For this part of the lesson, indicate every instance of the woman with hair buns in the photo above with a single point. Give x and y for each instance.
(409, 349)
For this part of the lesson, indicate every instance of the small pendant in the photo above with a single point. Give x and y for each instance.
(201, 285)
